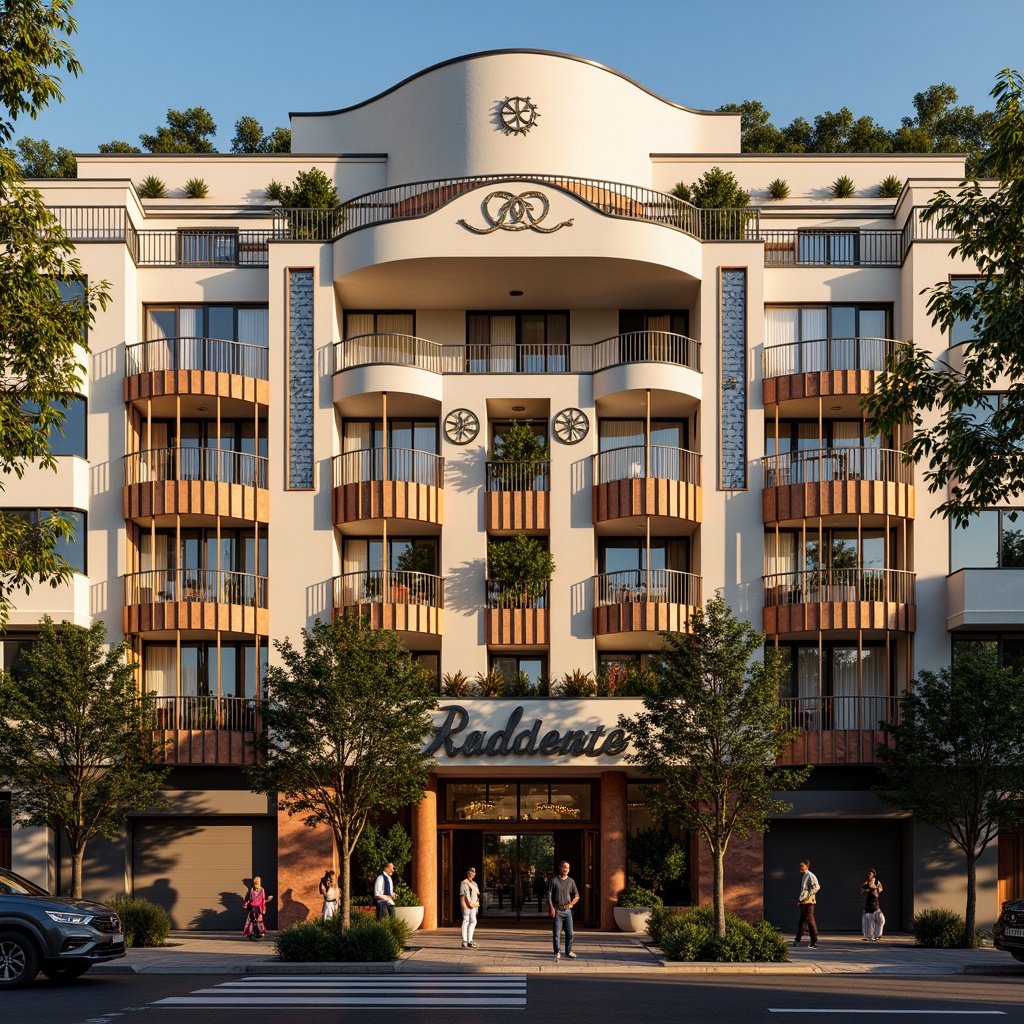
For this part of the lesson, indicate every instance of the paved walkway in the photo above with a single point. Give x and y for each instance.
(522, 951)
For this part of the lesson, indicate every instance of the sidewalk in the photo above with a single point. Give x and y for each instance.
(510, 951)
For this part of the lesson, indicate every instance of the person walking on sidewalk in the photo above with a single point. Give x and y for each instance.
(469, 898)
(562, 897)
(874, 919)
(330, 893)
(256, 901)
(384, 892)
(806, 901)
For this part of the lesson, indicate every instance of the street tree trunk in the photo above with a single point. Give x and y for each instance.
(345, 851)
(718, 895)
(972, 899)
(77, 857)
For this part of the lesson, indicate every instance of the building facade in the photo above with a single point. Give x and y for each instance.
(292, 413)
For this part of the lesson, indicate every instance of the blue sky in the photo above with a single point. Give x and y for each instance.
(263, 58)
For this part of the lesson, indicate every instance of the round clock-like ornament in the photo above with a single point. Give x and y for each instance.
(571, 426)
(461, 426)
(518, 115)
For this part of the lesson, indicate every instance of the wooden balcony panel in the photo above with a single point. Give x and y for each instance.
(813, 385)
(642, 617)
(517, 627)
(648, 496)
(196, 497)
(834, 746)
(837, 497)
(201, 615)
(803, 618)
(196, 382)
(517, 510)
(206, 746)
(402, 617)
(388, 499)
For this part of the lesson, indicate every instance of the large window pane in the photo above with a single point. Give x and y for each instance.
(1011, 541)
(975, 546)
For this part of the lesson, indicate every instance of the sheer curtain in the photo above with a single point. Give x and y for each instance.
(865, 713)
(813, 333)
(502, 354)
(159, 672)
(781, 327)
(872, 332)
(190, 332)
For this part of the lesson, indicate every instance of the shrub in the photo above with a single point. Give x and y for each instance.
(634, 896)
(576, 684)
(366, 940)
(398, 930)
(455, 684)
(660, 921)
(778, 189)
(691, 936)
(732, 947)
(767, 944)
(890, 187)
(938, 929)
(842, 187)
(370, 942)
(151, 187)
(196, 188)
(309, 942)
(144, 923)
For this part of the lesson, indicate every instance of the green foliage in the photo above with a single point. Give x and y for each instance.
(249, 138)
(955, 760)
(366, 940)
(417, 558)
(368, 943)
(489, 684)
(518, 442)
(656, 855)
(522, 566)
(693, 936)
(346, 717)
(635, 896)
(520, 685)
(890, 187)
(660, 921)
(186, 131)
(311, 190)
(118, 146)
(972, 461)
(939, 929)
(632, 681)
(308, 942)
(455, 684)
(714, 732)
(144, 923)
(39, 160)
(715, 189)
(76, 741)
(398, 930)
(196, 188)
(778, 189)
(376, 848)
(576, 684)
(842, 187)
(151, 187)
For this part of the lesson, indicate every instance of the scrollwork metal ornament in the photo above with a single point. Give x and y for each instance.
(518, 115)
(571, 426)
(461, 426)
(523, 212)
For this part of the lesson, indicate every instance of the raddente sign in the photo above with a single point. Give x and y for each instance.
(521, 736)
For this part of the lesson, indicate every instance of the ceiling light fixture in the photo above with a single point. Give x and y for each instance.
(519, 408)
(515, 293)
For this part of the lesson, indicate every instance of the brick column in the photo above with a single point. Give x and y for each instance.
(424, 860)
(744, 875)
(303, 855)
(613, 844)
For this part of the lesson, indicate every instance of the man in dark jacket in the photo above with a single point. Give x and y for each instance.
(562, 897)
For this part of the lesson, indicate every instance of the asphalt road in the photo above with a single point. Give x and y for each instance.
(444, 999)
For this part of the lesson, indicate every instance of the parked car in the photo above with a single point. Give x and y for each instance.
(60, 936)
(1009, 930)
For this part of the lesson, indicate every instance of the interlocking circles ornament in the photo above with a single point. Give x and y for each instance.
(516, 213)
(518, 115)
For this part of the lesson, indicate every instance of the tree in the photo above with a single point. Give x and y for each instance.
(955, 760)
(249, 138)
(186, 131)
(757, 133)
(376, 848)
(311, 190)
(45, 311)
(970, 440)
(938, 126)
(346, 718)
(522, 567)
(656, 855)
(712, 734)
(714, 189)
(39, 160)
(118, 146)
(77, 746)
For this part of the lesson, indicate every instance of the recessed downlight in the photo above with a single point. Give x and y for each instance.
(515, 293)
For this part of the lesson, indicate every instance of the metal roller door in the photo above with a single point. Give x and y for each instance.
(841, 853)
(198, 870)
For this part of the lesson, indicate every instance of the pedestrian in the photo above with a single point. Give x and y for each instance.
(330, 893)
(562, 897)
(384, 892)
(256, 901)
(806, 901)
(874, 919)
(469, 898)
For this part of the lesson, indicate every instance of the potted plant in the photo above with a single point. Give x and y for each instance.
(375, 849)
(519, 456)
(634, 907)
(522, 568)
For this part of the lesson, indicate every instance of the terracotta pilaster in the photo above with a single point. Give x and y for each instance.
(613, 844)
(424, 862)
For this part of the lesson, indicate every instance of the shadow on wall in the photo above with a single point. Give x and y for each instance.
(464, 586)
(230, 916)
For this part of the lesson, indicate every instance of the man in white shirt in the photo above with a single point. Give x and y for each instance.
(384, 892)
(806, 901)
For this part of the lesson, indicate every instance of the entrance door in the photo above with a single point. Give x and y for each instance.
(516, 870)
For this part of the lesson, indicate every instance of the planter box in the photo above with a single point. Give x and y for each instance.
(412, 916)
(632, 919)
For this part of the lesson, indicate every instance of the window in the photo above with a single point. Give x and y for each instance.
(12, 654)
(206, 671)
(534, 800)
(71, 440)
(72, 548)
(828, 248)
(964, 330)
(812, 339)
(389, 322)
(194, 337)
(1009, 647)
(517, 342)
(411, 435)
(993, 539)
(533, 666)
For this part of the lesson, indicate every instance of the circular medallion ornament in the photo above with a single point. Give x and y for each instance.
(571, 426)
(518, 115)
(461, 426)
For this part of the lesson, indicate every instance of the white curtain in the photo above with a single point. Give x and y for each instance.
(159, 672)
(851, 713)
(254, 327)
(355, 559)
(814, 329)
(781, 327)
(502, 354)
(357, 324)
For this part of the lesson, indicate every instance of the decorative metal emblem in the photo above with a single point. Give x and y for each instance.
(518, 115)
(571, 426)
(461, 426)
(517, 213)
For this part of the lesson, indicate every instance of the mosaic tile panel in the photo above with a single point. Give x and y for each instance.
(732, 363)
(301, 378)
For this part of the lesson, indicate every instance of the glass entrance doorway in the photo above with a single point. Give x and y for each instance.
(516, 871)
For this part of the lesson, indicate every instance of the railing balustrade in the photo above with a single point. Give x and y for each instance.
(212, 354)
(509, 595)
(825, 586)
(388, 586)
(825, 354)
(819, 714)
(167, 586)
(665, 586)
(518, 476)
(631, 463)
(210, 465)
(220, 714)
(92, 223)
(199, 247)
(833, 465)
(403, 465)
(831, 247)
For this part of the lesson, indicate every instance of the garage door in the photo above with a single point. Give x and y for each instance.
(198, 870)
(841, 853)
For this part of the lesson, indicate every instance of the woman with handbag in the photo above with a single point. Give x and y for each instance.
(874, 919)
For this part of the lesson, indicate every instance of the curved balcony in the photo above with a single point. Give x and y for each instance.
(645, 601)
(516, 496)
(388, 483)
(838, 729)
(408, 602)
(201, 599)
(825, 367)
(801, 602)
(837, 481)
(197, 366)
(647, 480)
(206, 729)
(512, 619)
(196, 482)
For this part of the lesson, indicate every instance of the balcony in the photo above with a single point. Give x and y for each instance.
(516, 496)
(985, 599)
(828, 247)
(800, 602)
(514, 620)
(823, 368)
(647, 480)
(645, 601)
(158, 600)
(202, 247)
(837, 481)
(838, 730)
(208, 482)
(206, 729)
(408, 602)
(388, 483)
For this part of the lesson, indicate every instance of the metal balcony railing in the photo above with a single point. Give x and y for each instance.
(212, 354)
(518, 476)
(823, 355)
(508, 595)
(817, 714)
(388, 586)
(204, 247)
(166, 586)
(210, 465)
(830, 247)
(404, 465)
(635, 462)
(220, 714)
(825, 586)
(664, 586)
(832, 465)
(92, 223)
